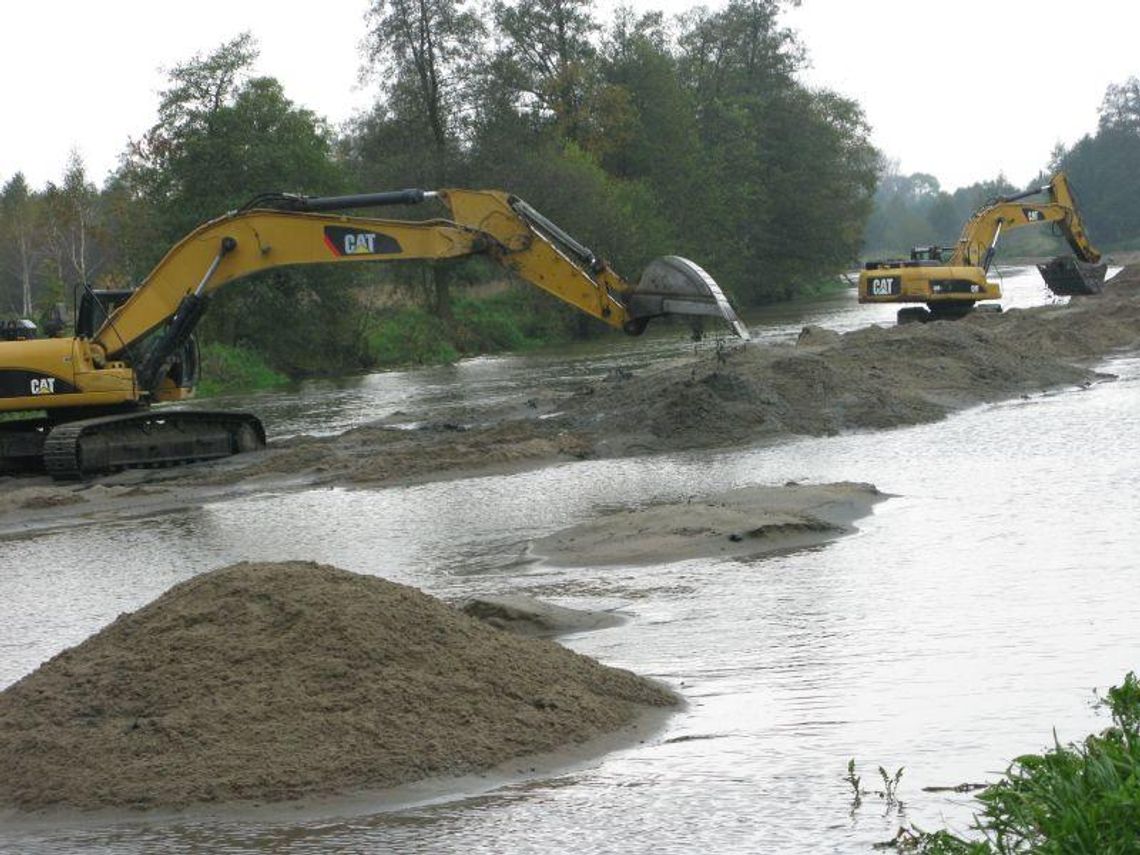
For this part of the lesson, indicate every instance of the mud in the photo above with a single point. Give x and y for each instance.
(873, 378)
(531, 617)
(265, 682)
(869, 379)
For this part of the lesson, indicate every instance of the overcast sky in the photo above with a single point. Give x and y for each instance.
(963, 90)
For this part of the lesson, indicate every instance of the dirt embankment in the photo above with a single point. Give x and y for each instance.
(877, 377)
(272, 681)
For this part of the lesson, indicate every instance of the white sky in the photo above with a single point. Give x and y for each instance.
(962, 89)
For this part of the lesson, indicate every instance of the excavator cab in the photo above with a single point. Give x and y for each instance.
(20, 329)
(928, 254)
(94, 308)
(183, 366)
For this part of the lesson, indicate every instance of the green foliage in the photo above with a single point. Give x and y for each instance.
(409, 336)
(1081, 797)
(235, 369)
(517, 318)
(1103, 169)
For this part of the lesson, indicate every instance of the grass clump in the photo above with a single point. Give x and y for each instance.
(1076, 798)
(227, 368)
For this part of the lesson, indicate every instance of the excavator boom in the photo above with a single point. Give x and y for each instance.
(97, 386)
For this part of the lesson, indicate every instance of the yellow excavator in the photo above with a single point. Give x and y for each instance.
(950, 281)
(89, 397)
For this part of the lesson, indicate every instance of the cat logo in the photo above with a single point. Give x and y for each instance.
(359, 244)
(884, 286)
(43, 386)
(344, 242)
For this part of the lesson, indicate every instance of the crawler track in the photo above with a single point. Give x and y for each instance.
(148, 439)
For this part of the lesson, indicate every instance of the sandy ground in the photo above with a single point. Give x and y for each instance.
(746, 522)
(265, 682)
(873, 378)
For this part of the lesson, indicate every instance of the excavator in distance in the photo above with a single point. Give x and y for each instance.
(950, 281)
(88, 398)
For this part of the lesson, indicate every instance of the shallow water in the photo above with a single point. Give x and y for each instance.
(971, 614)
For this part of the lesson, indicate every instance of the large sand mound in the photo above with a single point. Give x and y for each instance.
(272, 681)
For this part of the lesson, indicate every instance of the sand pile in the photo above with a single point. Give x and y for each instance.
(747, 521)
(272, 681)
(872, 378)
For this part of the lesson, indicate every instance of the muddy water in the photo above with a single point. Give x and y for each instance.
(971, 615)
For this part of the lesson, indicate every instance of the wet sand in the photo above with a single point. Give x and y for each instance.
(750, 522)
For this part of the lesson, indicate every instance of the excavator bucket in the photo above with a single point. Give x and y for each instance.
(1069, 277)
(672, 285)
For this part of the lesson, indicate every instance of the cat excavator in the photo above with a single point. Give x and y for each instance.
(83, 405)
(952, 280)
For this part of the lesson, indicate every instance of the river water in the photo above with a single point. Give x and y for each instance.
(972, 614)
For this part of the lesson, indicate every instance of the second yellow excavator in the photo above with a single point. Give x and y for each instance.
(89, 396)
(950, 281)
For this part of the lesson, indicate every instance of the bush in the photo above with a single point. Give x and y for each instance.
(1081, 797)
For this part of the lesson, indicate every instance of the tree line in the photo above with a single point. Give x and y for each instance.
(642, 137)
(1103, 167)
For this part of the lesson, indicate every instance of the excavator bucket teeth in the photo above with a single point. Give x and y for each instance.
(1068, 277)
(672, 285)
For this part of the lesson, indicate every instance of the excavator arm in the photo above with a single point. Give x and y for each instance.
(980, 235)
(96, 387)
(285, 230)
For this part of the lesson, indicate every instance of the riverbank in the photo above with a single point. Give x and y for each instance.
(869, 379)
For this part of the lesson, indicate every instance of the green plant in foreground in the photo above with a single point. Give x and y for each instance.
(889, 793)
(1078, 798)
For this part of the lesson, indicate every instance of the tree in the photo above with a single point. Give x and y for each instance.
(546, 58)
(17, 251)
(1120, 109)
(425, 50)
(223, 137)
(71, 214)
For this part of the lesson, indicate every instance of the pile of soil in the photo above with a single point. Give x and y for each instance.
(876, 377)
(272, 681)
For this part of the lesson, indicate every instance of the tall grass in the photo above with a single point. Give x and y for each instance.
(512, 320)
